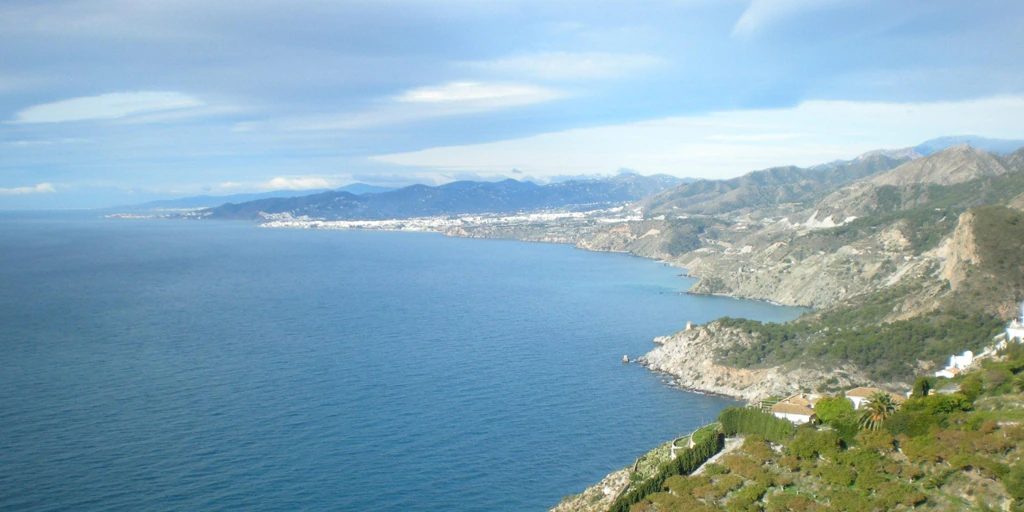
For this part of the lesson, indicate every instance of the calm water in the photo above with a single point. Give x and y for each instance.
(159, 365)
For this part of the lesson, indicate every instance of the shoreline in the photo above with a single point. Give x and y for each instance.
(677, 379)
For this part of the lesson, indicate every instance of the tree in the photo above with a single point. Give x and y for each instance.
(831, 408)
(922, 386)
(878, 408)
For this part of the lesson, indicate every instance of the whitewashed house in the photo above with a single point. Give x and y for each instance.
(957, 364)
(795, 413)
(860, 395)
(1016, 328)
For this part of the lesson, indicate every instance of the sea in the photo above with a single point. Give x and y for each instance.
(189, 365)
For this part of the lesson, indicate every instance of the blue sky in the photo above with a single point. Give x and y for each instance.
(113, 101)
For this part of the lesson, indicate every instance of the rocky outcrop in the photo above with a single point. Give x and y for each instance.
(689, 357)
(644, 239)
(960, 251)
(598, 497)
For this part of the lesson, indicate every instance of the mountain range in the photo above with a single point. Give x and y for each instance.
(460, 197)
(208, 201)
(661, 194)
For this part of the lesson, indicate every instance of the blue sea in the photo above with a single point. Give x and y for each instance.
(185, 365)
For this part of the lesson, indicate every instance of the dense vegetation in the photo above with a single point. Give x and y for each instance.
(953, 451)
(885, 351)
(745, 420)
(686, 233)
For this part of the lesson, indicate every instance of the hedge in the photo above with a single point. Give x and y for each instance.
(686, 462)
(745, 420)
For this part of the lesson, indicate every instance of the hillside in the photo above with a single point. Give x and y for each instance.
(898, 290)
(461, 197)
(905, 265)
(952, 445)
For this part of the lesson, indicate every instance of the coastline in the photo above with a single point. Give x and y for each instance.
(666, 357)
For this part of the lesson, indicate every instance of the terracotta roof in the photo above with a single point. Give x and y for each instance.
(867, 392)
(862, 392)
(800, 400)
(788, 408)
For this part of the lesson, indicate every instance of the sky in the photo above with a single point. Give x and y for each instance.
(106, 102)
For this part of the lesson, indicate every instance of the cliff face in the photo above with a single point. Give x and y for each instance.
(960, 251)
(645, 239)
(790, 272)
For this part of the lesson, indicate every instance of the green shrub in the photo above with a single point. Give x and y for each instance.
(940, 404)
(836, 474)
(972, 387)
(914, 423)
(810, 444)
(744, 466)
(1014, 481)
(746, 496)
(757, 447)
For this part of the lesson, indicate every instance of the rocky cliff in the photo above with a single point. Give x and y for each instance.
(689, 357)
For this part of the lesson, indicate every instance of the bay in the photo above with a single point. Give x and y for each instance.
(163, 365)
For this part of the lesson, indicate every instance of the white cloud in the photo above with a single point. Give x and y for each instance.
(450, 99)
(106, 106)
(476, 93)
(727, 144)
(569, 66)
(297, 183)
(761, 13)
(42, 188)
(281, 183)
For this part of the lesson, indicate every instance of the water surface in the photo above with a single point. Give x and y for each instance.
(161, 365)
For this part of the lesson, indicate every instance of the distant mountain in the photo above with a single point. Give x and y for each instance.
(943, 174)
(207, 201)
(778, 185)
(1002, 146)
(362, 188)
(460, 197)
(956, 164)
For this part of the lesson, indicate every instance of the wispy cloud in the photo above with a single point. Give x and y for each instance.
(726, 144)
(455, 98)
(568, 65)
(42, 188)
(761, 13)
(106, 106)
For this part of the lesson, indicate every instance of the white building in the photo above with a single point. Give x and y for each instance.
(956, 365)
(798, 414)
(1016, 328)
(860, 395)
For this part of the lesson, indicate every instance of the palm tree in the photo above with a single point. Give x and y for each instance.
(878, 408)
